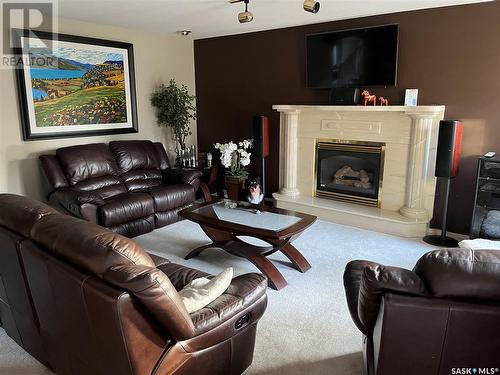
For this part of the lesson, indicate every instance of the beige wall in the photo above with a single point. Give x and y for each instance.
(157, 59)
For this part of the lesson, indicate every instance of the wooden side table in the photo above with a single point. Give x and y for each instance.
(211, 179)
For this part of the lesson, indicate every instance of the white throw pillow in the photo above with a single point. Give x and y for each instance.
(200, 292)
(479, 244)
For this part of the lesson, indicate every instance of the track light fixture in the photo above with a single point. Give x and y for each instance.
(311, 6)
(245, 16)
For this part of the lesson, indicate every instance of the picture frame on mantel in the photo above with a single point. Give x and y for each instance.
(74, 86)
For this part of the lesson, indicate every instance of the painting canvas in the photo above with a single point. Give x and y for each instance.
(79, 86)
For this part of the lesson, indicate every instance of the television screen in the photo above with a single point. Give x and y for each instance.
(353, 58)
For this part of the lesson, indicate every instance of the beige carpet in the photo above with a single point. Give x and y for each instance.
(306, 328)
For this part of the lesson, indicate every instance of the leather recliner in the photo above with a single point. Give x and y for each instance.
(441, 318)
(85, 300)
(127, 186)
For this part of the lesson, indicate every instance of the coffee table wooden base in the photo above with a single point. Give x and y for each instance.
(257, 255)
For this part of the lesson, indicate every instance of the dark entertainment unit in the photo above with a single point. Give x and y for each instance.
(486, 216)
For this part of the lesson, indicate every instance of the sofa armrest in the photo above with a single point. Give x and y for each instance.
(244, 291)
(53, 172)
(352, 281)
(158, 260)
(375, 280)
(78, 203)
(155, 291)
(183, 176)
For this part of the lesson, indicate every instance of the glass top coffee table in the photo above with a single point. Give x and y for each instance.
(224, 220)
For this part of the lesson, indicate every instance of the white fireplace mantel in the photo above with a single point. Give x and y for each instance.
(410, 135)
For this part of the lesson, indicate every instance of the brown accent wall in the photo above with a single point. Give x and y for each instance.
(452, 55)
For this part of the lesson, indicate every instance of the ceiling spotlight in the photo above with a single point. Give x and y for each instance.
(245, 16)
(183, 32)
(311, 6)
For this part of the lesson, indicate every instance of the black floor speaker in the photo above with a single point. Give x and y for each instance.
(261, 144)
(447, 162)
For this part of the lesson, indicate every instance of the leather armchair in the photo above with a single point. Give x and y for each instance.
(126, 186)
(440, 316)
(85, 300)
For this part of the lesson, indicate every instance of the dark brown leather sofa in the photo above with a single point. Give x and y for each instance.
(85, 300)
(127, 186)
(441, 318)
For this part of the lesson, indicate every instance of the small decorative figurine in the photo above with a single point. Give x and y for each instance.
(369, 98)
(254, 191)
(383, 101)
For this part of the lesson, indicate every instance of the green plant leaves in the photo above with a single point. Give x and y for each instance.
(175, 109)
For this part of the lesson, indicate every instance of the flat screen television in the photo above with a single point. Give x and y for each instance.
(353, 58)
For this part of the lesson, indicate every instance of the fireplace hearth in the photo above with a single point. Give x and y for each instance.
(349, 171)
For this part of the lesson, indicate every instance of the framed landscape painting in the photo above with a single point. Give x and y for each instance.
(71, 86)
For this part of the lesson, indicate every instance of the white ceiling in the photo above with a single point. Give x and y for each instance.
(209, 18)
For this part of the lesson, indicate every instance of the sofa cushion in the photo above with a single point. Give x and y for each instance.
(80, 163)
(124, 208)
(244, 291)
(169, 197)
(138, 179)
(104, 186)
(132, 155)
(135, 227)
(87, 245)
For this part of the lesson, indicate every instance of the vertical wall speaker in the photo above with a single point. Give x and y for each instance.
(261, 144)
(261, 136)
(449, 146)
(447, 162)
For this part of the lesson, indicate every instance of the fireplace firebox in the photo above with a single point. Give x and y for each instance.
(349, 171)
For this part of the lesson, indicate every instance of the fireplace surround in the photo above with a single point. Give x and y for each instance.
(410, 135)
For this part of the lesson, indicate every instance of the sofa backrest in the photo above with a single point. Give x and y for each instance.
(87, 245)
(140, 163)
(91, 167)
(19, 213)
(461, 273)
(107, 170)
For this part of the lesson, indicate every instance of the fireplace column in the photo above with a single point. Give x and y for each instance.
(418, 173)
(288, 150)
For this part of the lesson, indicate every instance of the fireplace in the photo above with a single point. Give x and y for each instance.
(349, 171)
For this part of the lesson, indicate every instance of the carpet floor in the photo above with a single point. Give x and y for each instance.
(306, 327)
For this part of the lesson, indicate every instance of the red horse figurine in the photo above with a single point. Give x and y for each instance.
(383, 101)
(369, 98)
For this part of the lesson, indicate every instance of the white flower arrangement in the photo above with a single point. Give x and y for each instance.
(235, 157)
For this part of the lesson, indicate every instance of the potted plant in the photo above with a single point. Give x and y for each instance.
(235, 158)
(175, 109)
